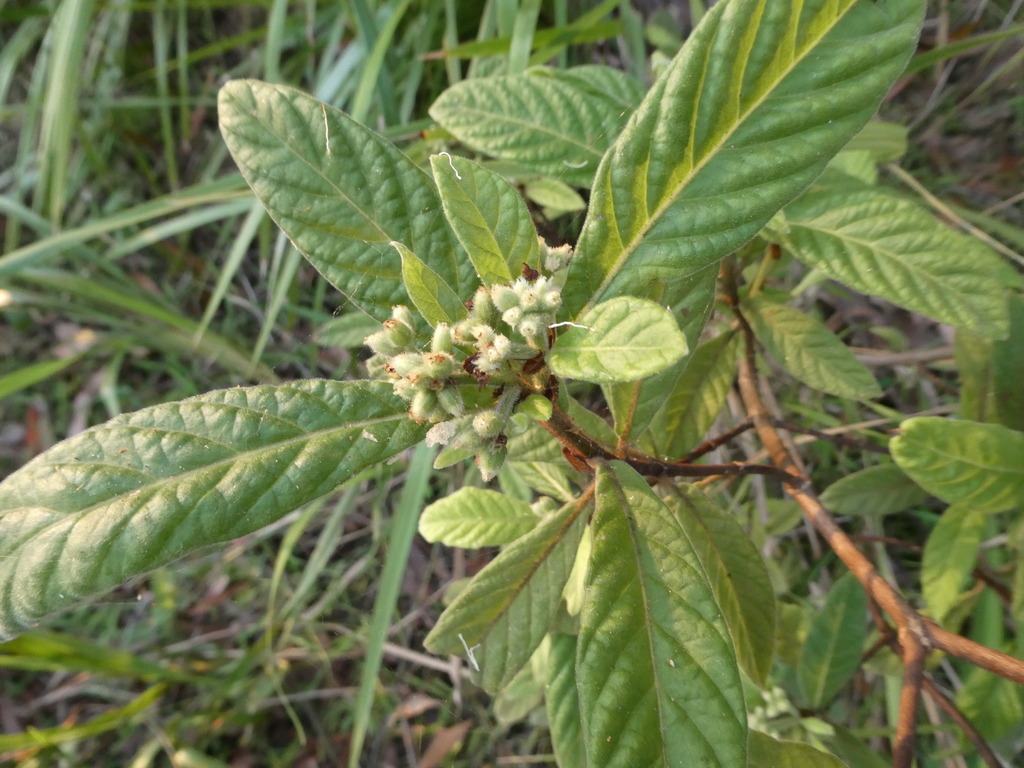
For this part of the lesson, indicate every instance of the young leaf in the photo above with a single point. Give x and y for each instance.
(693, 406)
(476, 517)
(149, 487)
(737, 574)
(981, 465)
(509, 606)
(563, 704)
(877, 243)
(881, 490)
(624, 339)
(758, 100)
(949, 557)
(656, 673)
(488, 216)
(340, 192)
(433, 297)
(551, 122)
(832, 651)
(768, 752)
(808, 350)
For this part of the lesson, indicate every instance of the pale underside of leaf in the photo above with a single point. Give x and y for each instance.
(809, 351)
(623, 339)
(339, 191)
(476, 517)
(879, 244)
(963, 461)
(149, 487)
(657, 678)
(509, 606)
(747, 115)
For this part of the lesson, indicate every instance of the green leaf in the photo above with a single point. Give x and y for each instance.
(876, 491)
(991, 373)
(554, 196)
(433, 297)
(475, 517)
(880, 244)
(656, 673)
(808, 350)
(737, 574)
(340, 192)
(563, 704)
(949, 557)
(488, 216)
(149, 487)
(624, 339)
(510, 605)
(767, 752)
(832, 651)
(761, 96)
(635, 404)
(699, 394)
(552, 122)
(349, 330)
(963, 461)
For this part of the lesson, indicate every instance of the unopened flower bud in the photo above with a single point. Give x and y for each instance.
(450, 399)
(512, 316)
(401, 335)
(382, 344)
(484, 334)
(404, 315)
(504, 297)
(438, 365)
(533, 332)
(488, 424)
(405, 364)
(442, 338)
(425, 407)
(483, 307)
(490, 460)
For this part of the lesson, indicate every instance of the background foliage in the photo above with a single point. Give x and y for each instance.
(137, 269)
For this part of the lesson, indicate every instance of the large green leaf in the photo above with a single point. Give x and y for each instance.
(622, 339)
(877, 243)
(949, 557)
(563, 704)
(758, 100)
(510, 605)
(149, 487)
(963, 461)
(488, 216)
(832, 651)
(808, 350)
(657, 676)
(340, 192)
(737, 574)
(880, 490)
(548, 121)
(476, 517)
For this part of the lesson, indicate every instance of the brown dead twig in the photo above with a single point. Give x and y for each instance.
(915, 636)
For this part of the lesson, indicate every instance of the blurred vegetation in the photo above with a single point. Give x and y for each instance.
(137, 269)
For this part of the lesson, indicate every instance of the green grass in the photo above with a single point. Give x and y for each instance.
(136, 269)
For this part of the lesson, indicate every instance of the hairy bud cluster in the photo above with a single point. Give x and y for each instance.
(506, 326)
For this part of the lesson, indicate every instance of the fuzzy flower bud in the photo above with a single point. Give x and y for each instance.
(442, 338)
(483, 307)
(534, 331)
(425, 407)
(404, 316)
(405, 364)
(488, 424)
(504, 297)
(490, 460)
(555, 258)
(382, 344)
(450, 399)
(512, 316)
(438, 365)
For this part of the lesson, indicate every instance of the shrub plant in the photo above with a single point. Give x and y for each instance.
(585, 378)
